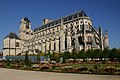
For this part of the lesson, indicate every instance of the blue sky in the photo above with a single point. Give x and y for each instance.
(104, 13)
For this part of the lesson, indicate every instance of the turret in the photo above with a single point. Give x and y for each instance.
(106, 40)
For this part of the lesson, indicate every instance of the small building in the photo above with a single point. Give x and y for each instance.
(11, 44)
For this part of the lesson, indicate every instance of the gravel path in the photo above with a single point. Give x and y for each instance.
(12, 74)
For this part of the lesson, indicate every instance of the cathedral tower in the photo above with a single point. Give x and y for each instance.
(25, 32)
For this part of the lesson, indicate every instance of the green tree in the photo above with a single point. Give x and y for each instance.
(48, 54)
(119, 56)
(27, 62)
(113, 54)
(38, 57)
(55, 56)
(66, 55)
(74, 55)
(89, 53)
(105, 53)
(81, 54)
(97, 53)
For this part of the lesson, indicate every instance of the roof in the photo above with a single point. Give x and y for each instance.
(83, 14)
(26, 19)
(12, 35)
(58, 21)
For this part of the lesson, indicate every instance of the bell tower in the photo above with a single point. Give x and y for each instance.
(25, 32)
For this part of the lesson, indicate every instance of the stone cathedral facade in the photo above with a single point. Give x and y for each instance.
(72, 32)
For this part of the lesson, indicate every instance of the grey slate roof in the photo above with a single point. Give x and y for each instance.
(80, 13)
(83, 14)
(12, 35)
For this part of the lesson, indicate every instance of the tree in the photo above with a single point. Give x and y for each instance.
(38, 57)
(97, 53)
(89, 53)
(105, 53)
(113, 54)
(81, 54)
(55, 56)
(119, 56)
(74, 55)
(48, 56)
(65, 55)
(27, 62)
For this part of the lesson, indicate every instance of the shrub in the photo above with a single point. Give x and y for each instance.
(100, 71)
(44, 68)
(85, 72)
(64, 69)
(110, 70)
(117, 73)
(26, 67)
(82, 69)
(96, 67)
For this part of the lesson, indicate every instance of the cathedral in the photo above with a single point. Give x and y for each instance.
(72, 32)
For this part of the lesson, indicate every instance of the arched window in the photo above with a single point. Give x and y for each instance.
(17, 44)
(27, 25)
(89, 39)
(27, 32)
(80, 39)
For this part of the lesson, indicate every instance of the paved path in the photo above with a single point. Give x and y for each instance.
(12, 74)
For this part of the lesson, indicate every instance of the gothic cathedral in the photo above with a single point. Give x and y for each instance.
(72, 32)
